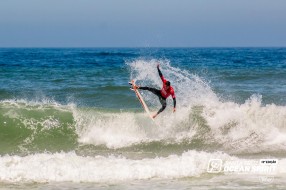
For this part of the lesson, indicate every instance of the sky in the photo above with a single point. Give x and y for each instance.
(142, 23)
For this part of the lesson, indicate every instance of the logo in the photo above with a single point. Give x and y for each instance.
(215, 166)
(264, 168)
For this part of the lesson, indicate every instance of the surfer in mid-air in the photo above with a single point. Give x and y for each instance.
(163, 94)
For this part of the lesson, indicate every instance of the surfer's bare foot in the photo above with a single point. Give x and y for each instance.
(155, 115)
(136, 87)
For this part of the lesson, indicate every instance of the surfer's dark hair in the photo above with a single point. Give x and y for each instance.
(168, 83)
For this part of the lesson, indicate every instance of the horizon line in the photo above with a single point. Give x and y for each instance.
(132, 47)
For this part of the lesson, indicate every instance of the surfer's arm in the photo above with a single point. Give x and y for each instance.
(174, 99)
(160, 74)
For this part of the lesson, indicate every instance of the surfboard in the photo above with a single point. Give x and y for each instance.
(140, 98)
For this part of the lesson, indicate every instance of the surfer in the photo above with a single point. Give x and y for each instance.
(163, 94)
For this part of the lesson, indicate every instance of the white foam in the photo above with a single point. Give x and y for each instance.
(35, 104)
(117, 130)
(189, 88)
(60, 167)
(250, 126)
(110, 129)
(71, 167)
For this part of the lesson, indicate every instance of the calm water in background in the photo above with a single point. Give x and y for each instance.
(69, 113)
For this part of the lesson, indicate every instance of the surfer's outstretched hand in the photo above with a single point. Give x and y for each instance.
(174, 110)
(158, 65)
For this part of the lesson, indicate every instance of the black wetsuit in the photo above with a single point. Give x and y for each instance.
(158, 93)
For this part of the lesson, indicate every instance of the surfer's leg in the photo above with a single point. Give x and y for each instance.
(164, 104)
(158, 93)
(153, 90)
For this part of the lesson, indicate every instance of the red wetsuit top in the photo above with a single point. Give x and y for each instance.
(164, 92)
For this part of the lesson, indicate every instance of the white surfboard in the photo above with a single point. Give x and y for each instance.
(141, 100)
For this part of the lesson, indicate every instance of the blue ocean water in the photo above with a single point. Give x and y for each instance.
(97, 77)
(69, 113)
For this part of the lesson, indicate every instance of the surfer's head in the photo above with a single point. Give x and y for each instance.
(168, 84)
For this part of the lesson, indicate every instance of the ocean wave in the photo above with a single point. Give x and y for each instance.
(61, 167)
(35, 126)
(227, 127)
(202, 119)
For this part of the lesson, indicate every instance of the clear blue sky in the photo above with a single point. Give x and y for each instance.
(142, 23)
